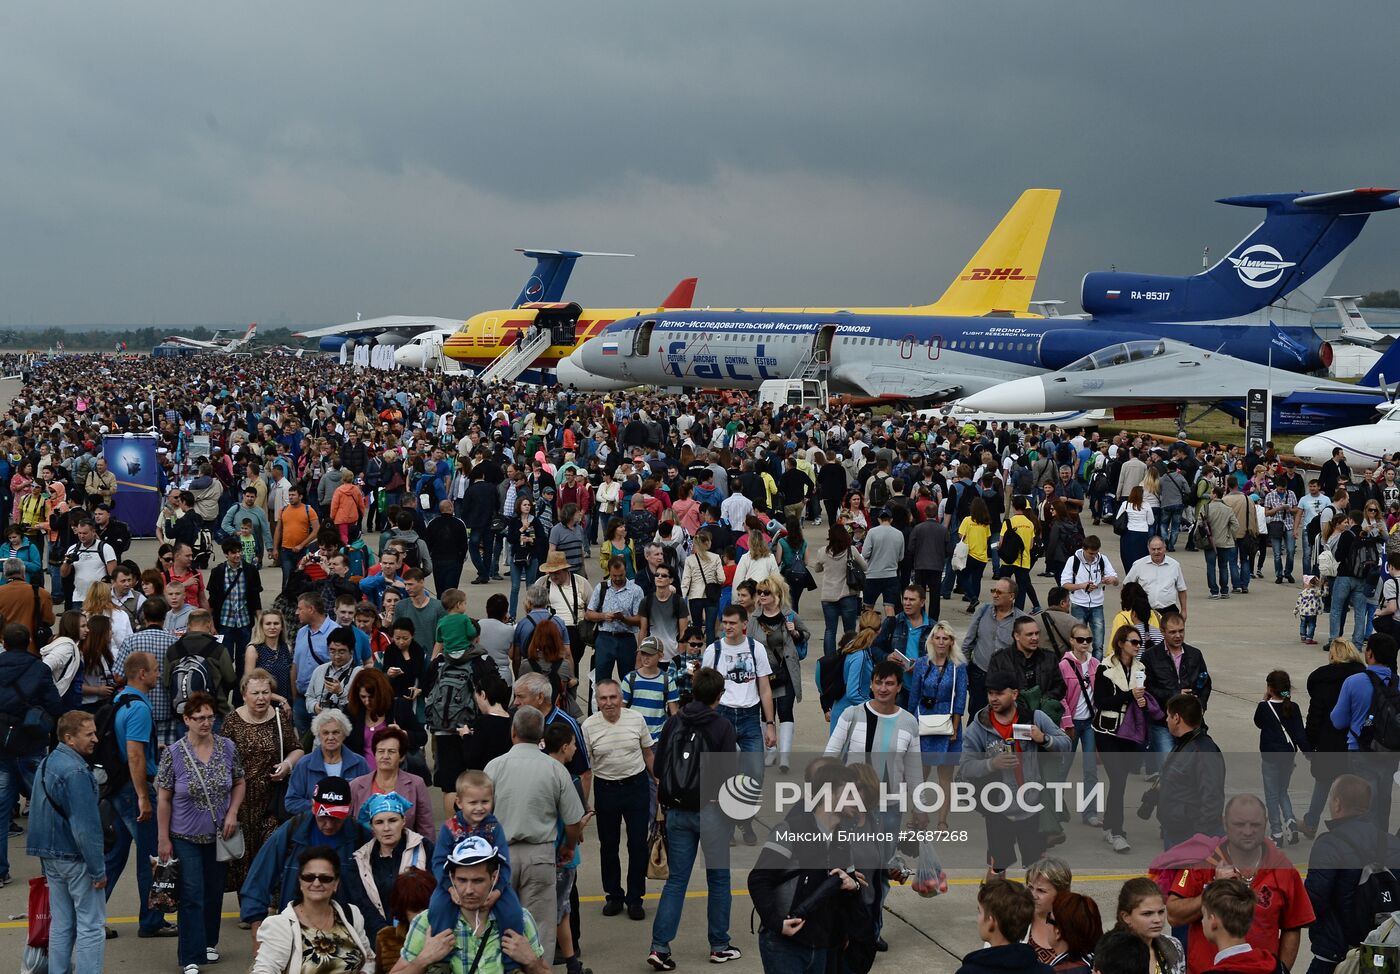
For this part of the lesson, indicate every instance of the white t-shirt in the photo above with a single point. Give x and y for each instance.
(90, 566)
(741, 666)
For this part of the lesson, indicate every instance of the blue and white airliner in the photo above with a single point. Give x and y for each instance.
(1254, 304)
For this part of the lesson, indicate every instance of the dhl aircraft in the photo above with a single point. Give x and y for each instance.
(998, 280)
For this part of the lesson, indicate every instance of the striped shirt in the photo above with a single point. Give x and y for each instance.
(569, 542)
(157, 642)
(649, 696)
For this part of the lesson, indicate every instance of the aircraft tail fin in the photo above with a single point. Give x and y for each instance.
(682, 295)
(551, 274)
(1001, 275)
(1355, 329)
(1294, 252)
(248, 335)
(1387, 367)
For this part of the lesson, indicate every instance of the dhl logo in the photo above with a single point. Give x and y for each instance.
(997, 274)
(505, 334)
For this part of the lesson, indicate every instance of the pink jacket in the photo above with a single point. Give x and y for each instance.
(1073, 688)
(420, 816)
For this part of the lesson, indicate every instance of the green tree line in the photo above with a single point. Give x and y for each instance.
(136, 339)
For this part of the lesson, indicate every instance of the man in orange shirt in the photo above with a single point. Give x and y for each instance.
(297, 525)
(1283, 908)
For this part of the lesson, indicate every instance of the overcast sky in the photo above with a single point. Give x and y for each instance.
(303, 162)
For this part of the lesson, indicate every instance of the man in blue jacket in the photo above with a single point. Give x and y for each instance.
(65, 835)
(274, 870)
(1352, 711)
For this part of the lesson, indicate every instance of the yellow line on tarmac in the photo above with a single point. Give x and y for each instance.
(691, 895)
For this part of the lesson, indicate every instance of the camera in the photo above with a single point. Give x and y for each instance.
(1149, 803)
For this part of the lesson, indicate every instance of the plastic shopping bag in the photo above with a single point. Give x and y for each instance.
(929, 878)
(165, 885)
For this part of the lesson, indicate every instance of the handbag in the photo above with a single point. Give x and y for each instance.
(855, 575)
(713, 590)
(1277, 530)
(658, 861)
(936, 725)
(960, 556)
(588, 628)
(225, 850)
(1120, 523)
(165, 885)
(43, 632)
(277, 790)
(40, 919)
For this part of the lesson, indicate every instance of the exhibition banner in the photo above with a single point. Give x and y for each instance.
(132, 457)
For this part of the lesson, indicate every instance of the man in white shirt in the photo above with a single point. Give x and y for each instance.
(1160, 576)
(88, 560)
(1085, 576)
(735, 508)
(747, 702)
(619, 748)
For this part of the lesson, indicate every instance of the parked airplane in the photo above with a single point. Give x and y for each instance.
(1364, 444)
(1355, 329)
(999, 278)
(216, 344)
(1140, 373)
(545, 283)
(1267, 278)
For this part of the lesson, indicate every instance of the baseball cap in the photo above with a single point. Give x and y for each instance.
(332, 798)
(649, 646)
(472, 851)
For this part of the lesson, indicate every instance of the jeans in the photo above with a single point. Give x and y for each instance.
(1280, 545)
(16, 778)
(748, 729)
(1091, 616)
(619, 802)
(301, 717)
(526, 573)
(847, 611)
(1307, 627)
(447, 573)
(1277, 769)
(783, 955)
(201, 899)
(976, 689)
(972, 579)
(1309, 553)
(1159, 744)
(288, 560)
(950, 575)
(1089, 759)
(55, 578)
(77, 936)
(145, 835)
(482, 548)
(1222, 561)
(686, 834)
(1171, 525)
(1245, 565)
(1348, 592)
(703, 614)
(611, 648)
(1024, 586)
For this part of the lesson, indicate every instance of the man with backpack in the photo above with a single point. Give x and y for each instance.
(694, 822)
(198, 663)
(126, 749)
(1368, 709)
(1355, 556)
(1348, 909)
(29, 703)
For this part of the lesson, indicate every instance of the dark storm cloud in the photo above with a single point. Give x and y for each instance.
(177, 163)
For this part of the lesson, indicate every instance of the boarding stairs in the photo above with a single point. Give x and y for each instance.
(817, 365)
(507, 366)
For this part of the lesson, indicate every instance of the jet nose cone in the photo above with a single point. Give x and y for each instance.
(1314, 449)
(409, 356)
(569, 373)
(1017, 396)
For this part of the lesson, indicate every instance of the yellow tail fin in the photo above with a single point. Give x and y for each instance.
(1002, 274)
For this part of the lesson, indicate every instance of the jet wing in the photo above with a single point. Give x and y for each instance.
(884, 381)
(404, 324)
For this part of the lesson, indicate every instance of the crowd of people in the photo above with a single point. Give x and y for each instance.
(282, 742)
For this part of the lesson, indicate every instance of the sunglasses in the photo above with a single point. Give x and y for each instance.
(325, 879)
(1084, 639)
(167, 558)
(1133, 642)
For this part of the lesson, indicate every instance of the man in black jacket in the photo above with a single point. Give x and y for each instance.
(447, 540)
(1191, 788)
(1350, 843)
(802, 916)
(1173, 667)
(1034, 668)
(694, 823)
(479, 507)
(113, 532)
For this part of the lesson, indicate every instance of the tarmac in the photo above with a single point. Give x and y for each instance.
(1242, 638)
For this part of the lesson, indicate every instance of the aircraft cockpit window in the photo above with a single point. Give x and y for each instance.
(1119, 354)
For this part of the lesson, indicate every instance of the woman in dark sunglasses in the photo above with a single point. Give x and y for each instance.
(1120, 726)
(314, 932)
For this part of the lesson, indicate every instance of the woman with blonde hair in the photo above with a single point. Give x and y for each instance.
(856, 666)
(1329, 744)
(781, 631)
(758, 563)
(99, 602)
(938, 688)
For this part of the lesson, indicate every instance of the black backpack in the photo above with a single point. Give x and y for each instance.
(1377, 890)
(831, 682)
(110, 757)
(879, 492)
(1381, 731)
(452, 701)
(678, 780)
(1012, 547)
